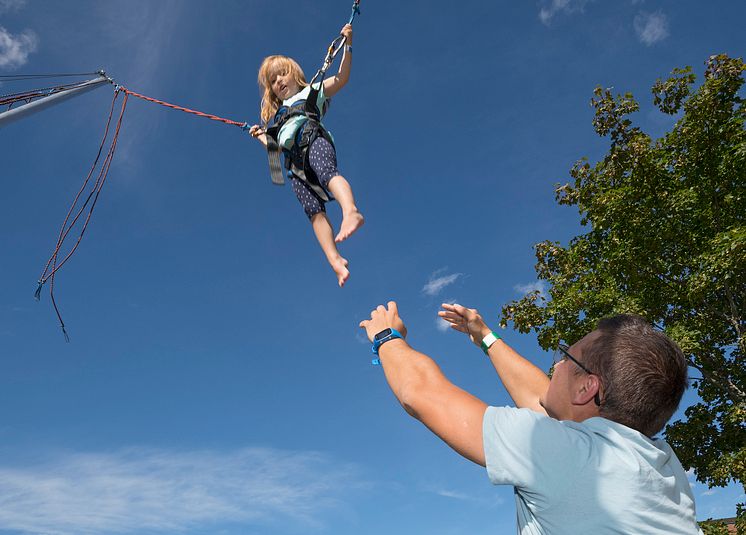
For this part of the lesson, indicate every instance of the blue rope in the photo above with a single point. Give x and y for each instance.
(355, 11)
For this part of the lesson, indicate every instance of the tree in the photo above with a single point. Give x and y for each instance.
(666, 239)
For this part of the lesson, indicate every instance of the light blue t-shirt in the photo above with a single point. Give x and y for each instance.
(286, 135)
(596, 477)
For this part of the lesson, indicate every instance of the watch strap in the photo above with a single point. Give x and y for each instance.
(378, 343)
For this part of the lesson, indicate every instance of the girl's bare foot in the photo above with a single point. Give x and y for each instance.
(340, 268)
(350, 223)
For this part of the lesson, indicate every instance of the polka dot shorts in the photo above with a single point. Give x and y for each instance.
(323, 160)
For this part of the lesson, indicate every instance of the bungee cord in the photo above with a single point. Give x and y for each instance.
(53, 265)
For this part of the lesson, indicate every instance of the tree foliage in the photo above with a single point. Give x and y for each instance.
(666, 239)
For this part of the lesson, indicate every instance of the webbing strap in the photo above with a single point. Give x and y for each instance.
(275, 167)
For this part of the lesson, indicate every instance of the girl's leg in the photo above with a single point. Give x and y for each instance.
(323, 230)
(352, 219)
(314, 209)
(323, 160)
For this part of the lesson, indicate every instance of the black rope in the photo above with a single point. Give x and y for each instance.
(19, 77)
(55, 88)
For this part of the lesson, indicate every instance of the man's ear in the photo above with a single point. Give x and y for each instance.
(587, 390)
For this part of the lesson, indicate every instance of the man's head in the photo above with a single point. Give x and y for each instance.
(640, 373)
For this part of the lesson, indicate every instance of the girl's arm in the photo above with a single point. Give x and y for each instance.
(257, 132)
(335, 83)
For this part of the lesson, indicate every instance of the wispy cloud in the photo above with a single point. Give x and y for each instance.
(538, 286)
(151, 491)
(651, 27)
(11, 5)
(453, 494)
(550, 8)
(15, 49)
(437, 282)
(481, 499)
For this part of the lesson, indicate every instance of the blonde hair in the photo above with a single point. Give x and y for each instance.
(273, 66)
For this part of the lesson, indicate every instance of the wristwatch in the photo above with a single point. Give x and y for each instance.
(381, 338)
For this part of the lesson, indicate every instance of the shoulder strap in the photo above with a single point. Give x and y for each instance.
(283, 115)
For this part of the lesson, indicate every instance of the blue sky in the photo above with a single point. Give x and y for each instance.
(216, 381)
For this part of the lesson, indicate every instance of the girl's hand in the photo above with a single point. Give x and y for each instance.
(257, 131)
(347, 32)
(466, 320)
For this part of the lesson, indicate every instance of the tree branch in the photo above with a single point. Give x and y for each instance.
(718, 379)
(735, 318)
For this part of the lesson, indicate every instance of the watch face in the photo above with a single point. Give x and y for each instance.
(383, 334)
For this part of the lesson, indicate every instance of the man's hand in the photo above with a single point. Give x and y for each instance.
(383, 318)
(466, 320)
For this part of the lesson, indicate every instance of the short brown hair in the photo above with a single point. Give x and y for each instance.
(643, 372)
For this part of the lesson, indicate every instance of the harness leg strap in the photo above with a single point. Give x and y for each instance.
(275, 167)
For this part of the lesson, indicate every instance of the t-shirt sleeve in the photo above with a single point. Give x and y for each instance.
(321, 98)
(530, 450)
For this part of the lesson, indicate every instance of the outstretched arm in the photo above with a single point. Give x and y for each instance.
(524, 382)
(333, 84)
(451, 413)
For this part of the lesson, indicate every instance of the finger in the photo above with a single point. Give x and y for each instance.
(455, 307)
(452, 319)
(393, 308)
(363, 324)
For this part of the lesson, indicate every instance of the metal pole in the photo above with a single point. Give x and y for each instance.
(11, 115)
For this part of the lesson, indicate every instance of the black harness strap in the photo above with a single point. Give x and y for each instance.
(296, 159)
(273, 153)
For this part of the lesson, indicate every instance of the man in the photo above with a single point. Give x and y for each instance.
(578, 448)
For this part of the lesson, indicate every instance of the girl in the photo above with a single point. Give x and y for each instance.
(284, 84)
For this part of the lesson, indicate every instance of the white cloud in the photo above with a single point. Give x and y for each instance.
(436, 283)
(482, 500)
(453, 494)
(151, 491)
(539, 286)
(651, 27)
(15, 49)
(442, 324)
(552, 7)
(709, 492)
(11, 5)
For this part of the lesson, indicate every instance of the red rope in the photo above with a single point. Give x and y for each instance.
(65, 229)
(53, 266)
(187, 110)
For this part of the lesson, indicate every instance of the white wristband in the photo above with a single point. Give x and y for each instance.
(488, 340)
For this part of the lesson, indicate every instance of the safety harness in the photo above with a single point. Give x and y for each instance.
(296, 159)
